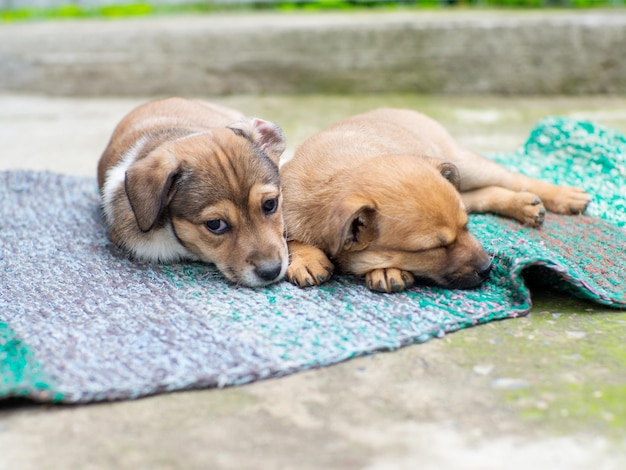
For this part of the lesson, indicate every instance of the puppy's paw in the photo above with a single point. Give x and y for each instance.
(308, 266)
(566, 200)
(528, 209)
(389, 280)
(307, 275)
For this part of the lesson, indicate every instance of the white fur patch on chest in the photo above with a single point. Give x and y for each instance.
(160, 245)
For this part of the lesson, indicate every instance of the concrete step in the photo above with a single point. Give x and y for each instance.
(476, 51)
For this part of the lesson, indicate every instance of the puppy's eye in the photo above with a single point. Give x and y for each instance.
(270, 205)
(217, 226)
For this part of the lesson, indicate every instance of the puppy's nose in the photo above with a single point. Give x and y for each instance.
(484, 270)
(268, 271)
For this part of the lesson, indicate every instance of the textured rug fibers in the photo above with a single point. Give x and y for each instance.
(79, 322)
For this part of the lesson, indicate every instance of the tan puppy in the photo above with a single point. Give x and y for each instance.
(386, 193)
(184, 179)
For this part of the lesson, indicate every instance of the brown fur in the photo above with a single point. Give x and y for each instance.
(194, 162)
(386, 193)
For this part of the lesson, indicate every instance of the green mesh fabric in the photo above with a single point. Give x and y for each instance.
(80, 322)
(581, 154)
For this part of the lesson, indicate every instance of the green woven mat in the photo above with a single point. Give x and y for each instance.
(79, 322)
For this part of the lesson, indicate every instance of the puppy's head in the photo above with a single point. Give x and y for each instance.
(406, 213)
(220, 192)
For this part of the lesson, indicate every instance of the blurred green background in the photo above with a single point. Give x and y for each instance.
(21, 10)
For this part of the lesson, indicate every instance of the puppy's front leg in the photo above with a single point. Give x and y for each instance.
(308, 265)
(523, 206)
(389, 280)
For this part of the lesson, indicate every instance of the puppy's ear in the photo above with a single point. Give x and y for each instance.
(350, 226)
(267, 135)
(149, 186)
(450, 172)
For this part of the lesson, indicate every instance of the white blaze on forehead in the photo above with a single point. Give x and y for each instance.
(263, 189)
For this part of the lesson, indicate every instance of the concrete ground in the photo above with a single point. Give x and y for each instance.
(547, 391)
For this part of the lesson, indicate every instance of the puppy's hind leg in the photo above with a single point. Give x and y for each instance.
(559, 199)
(480, 172)
(308, 265)
(522, 206)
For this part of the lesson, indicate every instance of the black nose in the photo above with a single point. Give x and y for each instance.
(268, 271)
(484, 270)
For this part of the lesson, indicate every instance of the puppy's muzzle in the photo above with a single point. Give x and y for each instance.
(268, 271)
(484, 270)
(471, 279)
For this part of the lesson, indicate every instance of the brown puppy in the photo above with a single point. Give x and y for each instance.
(386, 193)
(184, 179)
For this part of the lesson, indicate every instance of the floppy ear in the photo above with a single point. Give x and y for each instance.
(149, 186)
(350, 226)
(267, 135)
(450, 172)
